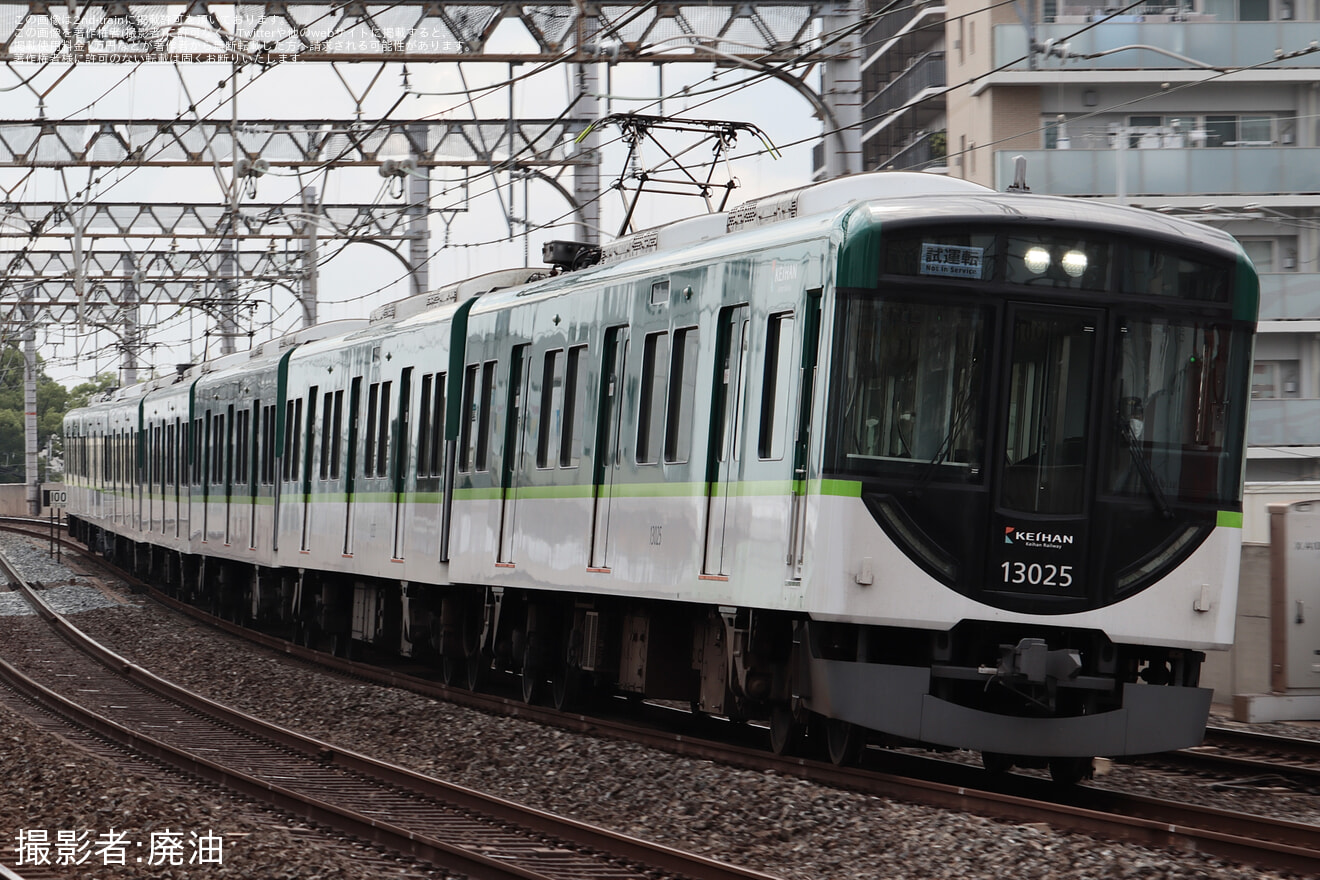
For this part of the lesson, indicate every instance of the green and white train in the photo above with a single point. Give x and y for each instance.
(892, 457)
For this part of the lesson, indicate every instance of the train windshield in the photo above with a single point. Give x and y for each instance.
(912, 379)
(1170, 396)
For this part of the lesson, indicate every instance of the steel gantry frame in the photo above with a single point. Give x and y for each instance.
(401, 30)
(101, 262)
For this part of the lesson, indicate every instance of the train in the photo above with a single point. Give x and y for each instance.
(893, 458)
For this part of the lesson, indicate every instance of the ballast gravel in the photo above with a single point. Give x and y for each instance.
(784, 827)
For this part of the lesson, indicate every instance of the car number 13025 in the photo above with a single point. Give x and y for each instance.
(1037, 575)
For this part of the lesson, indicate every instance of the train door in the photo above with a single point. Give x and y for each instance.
(802, 437)
(607, 458)
(227, 474)
(1045, 438)
(207, 442)
(251, 466)
(511, 462)
(309, 436)
(399, 483)
(350, 473)
(727, 401)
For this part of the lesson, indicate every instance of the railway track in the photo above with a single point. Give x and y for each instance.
(1269, 843)
(1246, 759)
(460, 830)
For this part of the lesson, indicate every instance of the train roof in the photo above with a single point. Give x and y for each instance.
(836, 208)
(843, 206)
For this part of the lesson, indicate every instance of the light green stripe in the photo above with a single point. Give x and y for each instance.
(842, 488)
(1229, 519)
(491, 494)
(554, 492)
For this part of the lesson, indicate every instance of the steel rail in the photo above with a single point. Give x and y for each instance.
(1271, 843)
(655, 858)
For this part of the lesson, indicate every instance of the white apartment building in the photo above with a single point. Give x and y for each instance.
(1210, 110)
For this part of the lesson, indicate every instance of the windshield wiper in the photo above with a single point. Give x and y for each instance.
(945, 449)
(1143, 469)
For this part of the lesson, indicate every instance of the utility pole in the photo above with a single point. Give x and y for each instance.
(33, 477)
(308, 286)
(586, 178)
(130, 320)
(419, 203)
(841, 92)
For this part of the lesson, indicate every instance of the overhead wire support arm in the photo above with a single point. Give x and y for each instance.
(637, 128)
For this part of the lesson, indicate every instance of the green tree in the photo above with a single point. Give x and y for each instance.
(52, 403)
(80, 394)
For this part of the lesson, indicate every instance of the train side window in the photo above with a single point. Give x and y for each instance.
(682, 396)
(268, 445)
(192, 454)
(220, 449)
(484, 414)
(466, 446)
(776, 386)
(373, 414)
(336, 431)
(383, 425)
(169, 454)
(651, 409)
(312, 396)
(293, 441)
(550, 432)
(431, 425)
(327, 439)
(575, 403)
(437, 442)
(424, 426)
(231, 453)
(287, 469)
(242, 446)
(207, 453)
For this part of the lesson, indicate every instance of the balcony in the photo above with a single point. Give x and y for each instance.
(900, 20)
(927, 74)
(1205, 171)
(927, 149)
(1201, 45)
(1289, 295)
(1286, 421)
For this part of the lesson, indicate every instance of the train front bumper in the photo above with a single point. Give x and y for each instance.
(896, 700)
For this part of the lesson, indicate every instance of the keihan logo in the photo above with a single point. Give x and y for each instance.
(1008, 534)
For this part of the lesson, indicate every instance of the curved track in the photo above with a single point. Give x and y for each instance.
(1269, 843)
(455, 828)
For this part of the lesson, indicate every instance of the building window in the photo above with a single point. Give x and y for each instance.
(1261, 253)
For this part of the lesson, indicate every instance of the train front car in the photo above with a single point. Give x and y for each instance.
(1031, 477)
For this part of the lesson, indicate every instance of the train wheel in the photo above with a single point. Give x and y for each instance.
(844, 741)
(786, 733)
(477, 664)
(996, 763)
(531, 676)
(453, 670)
(566, 687)
(1070, 771)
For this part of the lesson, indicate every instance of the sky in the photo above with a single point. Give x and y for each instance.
(356, 278)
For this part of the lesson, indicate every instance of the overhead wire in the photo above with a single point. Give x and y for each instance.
(752, 79)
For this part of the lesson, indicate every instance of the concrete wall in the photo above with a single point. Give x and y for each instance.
(1246, 668)
(13, 499)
